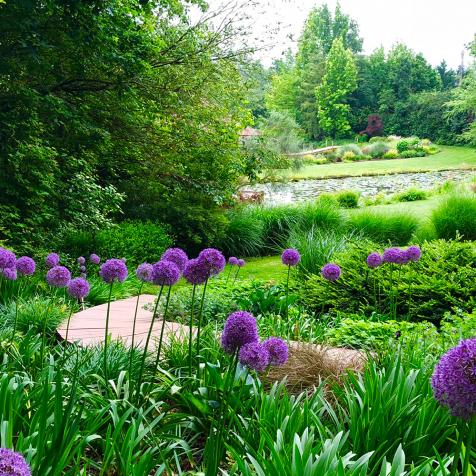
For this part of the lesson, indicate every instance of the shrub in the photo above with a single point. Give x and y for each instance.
(350, 157)
(378, 139)
(365, 157)
(411, 195)
(391, 154)
(403, 145)
(377, 149)
(441, 281)
(354, 148)
(408, 154)
(348, 199)
(395, 228)
(456, 215)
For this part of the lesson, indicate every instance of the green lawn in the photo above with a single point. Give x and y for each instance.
(450, 157)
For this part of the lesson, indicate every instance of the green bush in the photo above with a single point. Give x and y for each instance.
(456, 215)
(354, 148)
(391, 154)
(376, 150)
(396, 228)
(411, 195)
(403, 145)
(348, 199)
(411, 153)
(441, 281)
(350, 157)
(378, 139)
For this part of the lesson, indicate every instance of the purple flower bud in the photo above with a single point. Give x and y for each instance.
(331, 272)
(144, 272)
(290, 257)
(213, 260)
(78, 288)
(176, 256)
(392, 255)
(113, 270)
(254, 356)
(7, 258)
(26, 265)
(94, 259)
(454, 379)
(413, 253)
(240, 329)
(82, 269)
(278, 350)
(13, 464)
(52, 260)
(241, 263)
(196, 271)
(165, 273)
(10, 273)
(58, 276)
(81, 260)
(233, 261)
(374, 260)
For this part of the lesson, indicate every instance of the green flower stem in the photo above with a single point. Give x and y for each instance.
(106, 334)
(43, 339)
(467, 454)
(287, 294)
(16, 314)
(67, 326)
(200, 319)
(162, 330)
(144, 353)
(190, 338)
(229, 274)
(236, 275)
(131, 351)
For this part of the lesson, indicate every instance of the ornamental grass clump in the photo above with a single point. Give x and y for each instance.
(13, 464)
(454, 387)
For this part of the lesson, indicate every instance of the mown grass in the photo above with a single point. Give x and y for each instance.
(450, 157)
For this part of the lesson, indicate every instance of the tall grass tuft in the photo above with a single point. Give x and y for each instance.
(456, 216)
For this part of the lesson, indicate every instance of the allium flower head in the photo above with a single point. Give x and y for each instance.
(82, 269)
(240, 329)
(392, 255)
(144, 272)
(26, 265)
(113, 270)
(233, 261)
(13, 464)
(7, 258)
(81, 260)
(213, 260)
(94, 258)
(374, 260)
(254, 356)
(78, 288)
(402, 257)
(10, 273)
(58, 276)
(278, 350)
(331, 272)
(176, 256)
(52, 260)
(165, 273)
(196, 271)
(241, 263)
(413, 253)
(454, 379)
(290, 257)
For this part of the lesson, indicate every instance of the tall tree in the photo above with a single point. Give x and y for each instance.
(338, 82)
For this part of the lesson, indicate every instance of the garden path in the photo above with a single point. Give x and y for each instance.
(88, 326)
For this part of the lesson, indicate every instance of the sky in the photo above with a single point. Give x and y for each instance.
(439, 29)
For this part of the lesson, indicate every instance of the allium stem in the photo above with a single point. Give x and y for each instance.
(236, 275)
(16, 314)
(459, 443)
(131, 352)
(162, 330)
(229, 274)
(106, 334)
(67, 326)
(469, 442)
(200, 318)
(287, 293)
(192, 310)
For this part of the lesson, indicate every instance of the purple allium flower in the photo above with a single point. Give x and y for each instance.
(176, 256)
(83, 275)
(454, 379)
(7, 258)
(26, 265)
(58, 276)
(165, 273)
(82, 269)
(78, 288)
(113, 270)
(241, 263)
(10, 273)
(374, 260)
(290, 257)
(331, 272)
(213, 260)
(413, 253)
(278, 350)
(196, 271)
(144, 272)
(255, 356)
(81, 260)
(13, 464)
(94, 258)
(240, 329)
(233, 261)
(402, 257)
(392, 255)
(52, 260)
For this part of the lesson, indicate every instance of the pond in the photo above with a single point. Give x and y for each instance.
(310, 189)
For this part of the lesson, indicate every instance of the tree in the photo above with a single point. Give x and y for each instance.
(448, 77)
(339, 81)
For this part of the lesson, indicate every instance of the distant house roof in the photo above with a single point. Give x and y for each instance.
(250, 132)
